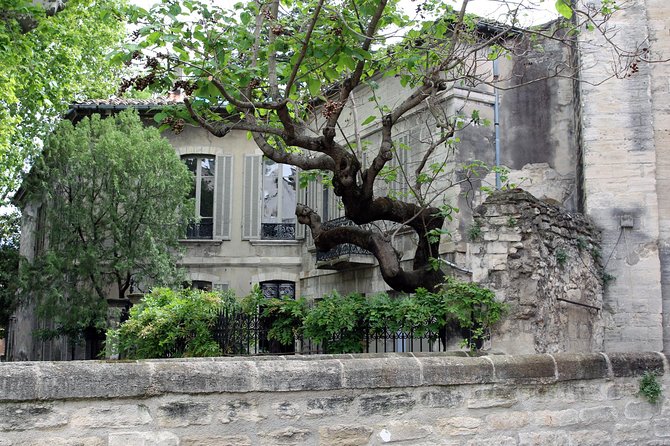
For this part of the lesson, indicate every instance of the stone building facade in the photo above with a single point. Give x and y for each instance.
(595, 149)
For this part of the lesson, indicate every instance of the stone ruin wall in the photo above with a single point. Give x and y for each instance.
(544, 262)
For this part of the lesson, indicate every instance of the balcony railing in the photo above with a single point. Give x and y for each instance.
(203, 230)
(343, 250)
(278, 231)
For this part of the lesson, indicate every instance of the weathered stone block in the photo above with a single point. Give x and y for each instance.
(111, 416)
(196, 377)
(64, 441)
(573, 366)
(286, 410)
(497, 440)
(556, 418)
(635, 364)
(600, 414)
(542, 438)
(402, 432)
(632, 433)
(444, 370)
(290, 435)
(386, 404)
(184, 413)
(446, 398)
(661, 427)
(493, 397)
(26, 416)
(299, 375)
(328, 406)
(94, 379)
(641, 410)
(590, 438)
(19, 381)
(345, 435)
(524, 367)
(236, 440)
(507, 420)
(143, 439)
(240, 410)
(381, 372)
(459, 425)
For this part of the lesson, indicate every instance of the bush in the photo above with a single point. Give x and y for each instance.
(171, 324)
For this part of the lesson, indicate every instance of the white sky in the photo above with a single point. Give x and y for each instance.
(533, 11)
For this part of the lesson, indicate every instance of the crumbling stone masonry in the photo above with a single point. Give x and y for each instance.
(545, 263)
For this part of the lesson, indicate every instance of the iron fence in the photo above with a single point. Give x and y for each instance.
(239, 333)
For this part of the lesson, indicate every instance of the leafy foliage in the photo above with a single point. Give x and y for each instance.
(650, 388)
(169, 324)
(113, 195)
(342, 321)
(9, 266)
(58, 59)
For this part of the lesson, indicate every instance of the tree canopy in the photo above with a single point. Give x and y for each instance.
(9, 265)
(286, 72)
(115, 195)
(48, 59)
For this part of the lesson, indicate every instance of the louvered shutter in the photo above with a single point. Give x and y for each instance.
(251, 226)
(302, 199)
(223, 197)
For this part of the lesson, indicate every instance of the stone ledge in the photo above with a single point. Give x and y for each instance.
(123, 379)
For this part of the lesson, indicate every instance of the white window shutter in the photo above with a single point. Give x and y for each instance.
(302, 199)
(251, 225)
(223, 197)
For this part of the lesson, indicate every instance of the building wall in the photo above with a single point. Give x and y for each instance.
(234, 261)
(624, 135)
(576, 399)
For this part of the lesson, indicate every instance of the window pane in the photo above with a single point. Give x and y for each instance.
(207, 167)
(207, 197)
(270, 192)
(289, 195)
(191, 162)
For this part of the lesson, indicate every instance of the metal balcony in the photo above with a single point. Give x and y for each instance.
(343, 256)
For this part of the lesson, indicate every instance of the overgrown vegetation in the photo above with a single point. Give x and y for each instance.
(169, 324)
(179, 323)
(650, 388)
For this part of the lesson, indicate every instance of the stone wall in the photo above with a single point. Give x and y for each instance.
(544, 262)
(625, 127)
(404, 399)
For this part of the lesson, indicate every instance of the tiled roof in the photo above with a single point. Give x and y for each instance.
(126, 102)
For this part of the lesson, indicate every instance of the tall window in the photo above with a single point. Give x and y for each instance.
(279, 200)
(203, 192)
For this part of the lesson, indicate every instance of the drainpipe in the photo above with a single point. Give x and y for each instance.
(496, 118)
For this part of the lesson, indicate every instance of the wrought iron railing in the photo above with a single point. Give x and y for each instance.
(278, 231)
(343, 249)
(239, 333)
(203, 230)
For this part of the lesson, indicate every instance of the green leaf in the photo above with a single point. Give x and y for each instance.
(369, 119)
(563, 8)
(314, 86)
(245, 17)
